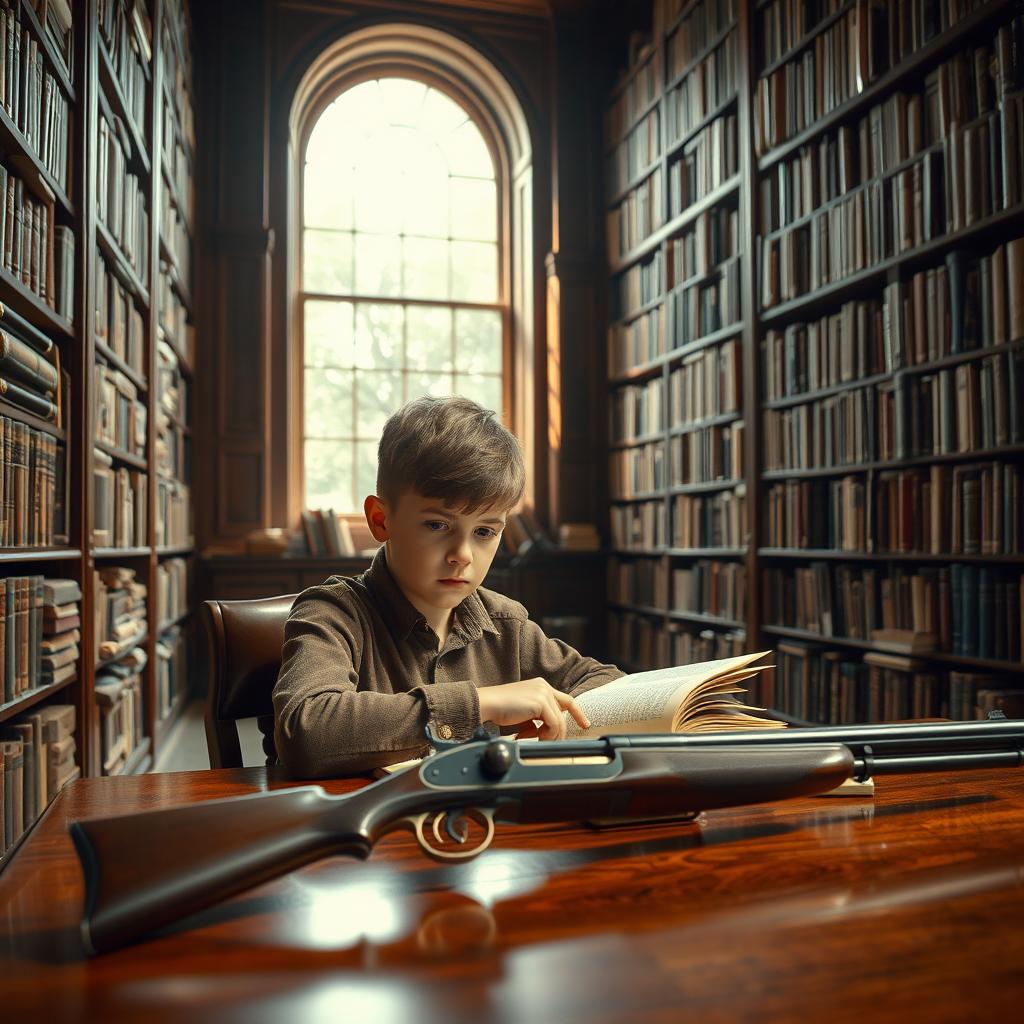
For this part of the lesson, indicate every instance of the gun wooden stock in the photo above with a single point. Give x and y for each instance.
(144, 871)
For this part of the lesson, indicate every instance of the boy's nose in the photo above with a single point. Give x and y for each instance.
(460, 554)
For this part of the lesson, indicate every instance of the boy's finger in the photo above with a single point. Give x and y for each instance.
(570, 705)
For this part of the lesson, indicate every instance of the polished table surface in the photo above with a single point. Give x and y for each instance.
(907, 906)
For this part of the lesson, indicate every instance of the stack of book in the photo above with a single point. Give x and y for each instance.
(61, 631)
(120, 611)
(37, 759)
(119, 699)
(21, 629)
(29, 366)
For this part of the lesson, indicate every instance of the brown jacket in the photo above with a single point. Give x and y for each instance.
(361, 675)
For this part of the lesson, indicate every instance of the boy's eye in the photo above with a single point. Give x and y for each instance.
(486, 532)
(435, 525)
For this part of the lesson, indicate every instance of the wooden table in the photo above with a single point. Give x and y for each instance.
(905, 907)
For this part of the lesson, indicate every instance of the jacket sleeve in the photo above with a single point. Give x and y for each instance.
(324, 725)
(561, 665)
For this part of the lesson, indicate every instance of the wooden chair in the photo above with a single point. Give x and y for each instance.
(245, 640)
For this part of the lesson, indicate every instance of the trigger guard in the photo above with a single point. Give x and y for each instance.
(483, 817)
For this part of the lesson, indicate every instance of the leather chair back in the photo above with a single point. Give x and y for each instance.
(245, 641)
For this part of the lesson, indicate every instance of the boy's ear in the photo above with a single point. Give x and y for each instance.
(376, 517)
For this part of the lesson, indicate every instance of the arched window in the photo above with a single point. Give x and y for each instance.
(401, 281)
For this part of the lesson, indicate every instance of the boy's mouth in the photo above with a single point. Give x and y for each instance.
(454, 581)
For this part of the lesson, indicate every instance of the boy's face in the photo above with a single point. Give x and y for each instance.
(436, 554)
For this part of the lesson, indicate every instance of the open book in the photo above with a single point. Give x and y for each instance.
(686, 698)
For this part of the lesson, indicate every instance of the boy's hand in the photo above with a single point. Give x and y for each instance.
(525, 701)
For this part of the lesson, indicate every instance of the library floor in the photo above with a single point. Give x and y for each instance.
(186, 747)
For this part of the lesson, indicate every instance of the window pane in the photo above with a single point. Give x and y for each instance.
(437, 385)
(327, 195)
(327, 262)
(478, 341)
(426, 268)
(439, 115)
(328, 401)
(425, 192)
(428, 338)
(378, 264)
(329, 338)
(402, 99)
(366, 470)
(378, 395)
(328, 467)
(467, 152)
(378, 180)
(484, 389)
(378, 336)
(474, 271)
(474, 209)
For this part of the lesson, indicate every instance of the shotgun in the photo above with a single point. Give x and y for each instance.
(143, 871)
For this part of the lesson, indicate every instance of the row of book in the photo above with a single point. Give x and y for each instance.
(956, 97)
(175, 236)
(639, 526)
(30, 376)
(707, 87)
(128, 36)
(171, 670)
(641, 284)
(710, 241)
(640, 214)
(784, 23)
(119, 322)
(708, 160)
(703, 307)
(120, 611)
(702, 25)
(717, 520)
(638, 410)
(637, 641)
(119, 700)
(120, 416)
(172, 589)
(173, 446)
(636, 472)
(37, 760)
(706, 383)
(119, 503)
(176, 57)
(56, 18)
(29, 238)
(638, 342)
(177, 167)
(865, 42)
(121, 196)
(173, 317)
(639, 93)
(968, 509)
(832, 687)
(970, 303)
(962, 609)
(716, 589)
(32, 95)
(635, 153)
(39, 623)
(32, 486)
(975, 406)
(173, 525)
(704, 456)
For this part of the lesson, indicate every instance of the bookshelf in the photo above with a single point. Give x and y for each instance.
(869, 519)
(84, 149)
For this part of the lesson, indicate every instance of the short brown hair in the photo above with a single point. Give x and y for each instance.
(452, 449)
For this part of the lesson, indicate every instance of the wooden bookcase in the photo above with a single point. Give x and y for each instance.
(885, 565)
(130, 73)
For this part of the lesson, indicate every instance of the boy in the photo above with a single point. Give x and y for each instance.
(368, 662)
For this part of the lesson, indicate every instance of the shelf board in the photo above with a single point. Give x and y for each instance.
(138, 461)
(119, 263)
(927, 56)
(680, 352)
(677, 223)
(635, 442)
(705, 51)
(176, 621)
(706, 620)
(638, 553)
(704, 485)
(166, 724)
(828, 295)
(24, 701)
(633, 183)
(18, 296)
(16, 412)
(707, 552)
(722, 419)
(830, 554)
(976, 455)
(939, 657)
(639, 609)
(167, 550)
(117, 362)
(12, 556)
(107, 552)
(22, 152)
(116, 98)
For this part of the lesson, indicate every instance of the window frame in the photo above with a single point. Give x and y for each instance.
(472, 105)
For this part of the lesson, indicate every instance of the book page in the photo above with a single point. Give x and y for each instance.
(696, 673)
(612, 708)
